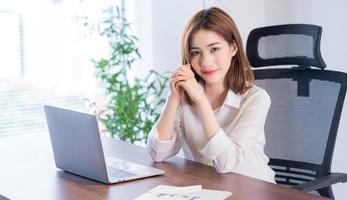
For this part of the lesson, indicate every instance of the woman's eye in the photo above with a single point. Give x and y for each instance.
(214, 49)
(194, 53)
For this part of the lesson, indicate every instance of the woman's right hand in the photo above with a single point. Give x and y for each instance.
(181, 74)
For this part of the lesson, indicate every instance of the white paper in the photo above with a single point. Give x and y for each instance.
(164, 192)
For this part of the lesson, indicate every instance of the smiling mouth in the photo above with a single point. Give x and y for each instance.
(210, 72)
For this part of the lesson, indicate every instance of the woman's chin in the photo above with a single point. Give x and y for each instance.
(212, 80)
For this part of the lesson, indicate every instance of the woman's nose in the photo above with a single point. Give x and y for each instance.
(206, 61)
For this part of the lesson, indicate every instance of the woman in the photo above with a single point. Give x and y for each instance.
(214, 112)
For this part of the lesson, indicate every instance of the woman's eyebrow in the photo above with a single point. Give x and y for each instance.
(211, 44)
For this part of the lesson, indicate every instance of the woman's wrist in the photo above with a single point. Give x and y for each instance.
(202, 102)
(167, 118)
(208, 118)
(174, 98)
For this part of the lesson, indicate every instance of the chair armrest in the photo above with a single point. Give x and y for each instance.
(322, 182)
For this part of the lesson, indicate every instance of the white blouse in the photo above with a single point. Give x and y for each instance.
(237, 147)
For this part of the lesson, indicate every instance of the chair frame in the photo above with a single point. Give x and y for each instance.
(304, 29)
(303, 73)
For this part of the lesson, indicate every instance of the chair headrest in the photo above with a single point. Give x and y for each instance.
(297, 44)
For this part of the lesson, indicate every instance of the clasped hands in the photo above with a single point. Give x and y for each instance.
(183, 80)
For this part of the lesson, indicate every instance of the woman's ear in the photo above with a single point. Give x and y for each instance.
(233, 49)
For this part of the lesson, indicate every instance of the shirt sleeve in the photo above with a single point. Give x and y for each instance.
(160, 150)
(238, 149)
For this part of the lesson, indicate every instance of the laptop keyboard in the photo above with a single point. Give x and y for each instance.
(117, 173)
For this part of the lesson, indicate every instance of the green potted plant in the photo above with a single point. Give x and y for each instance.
(132, 106)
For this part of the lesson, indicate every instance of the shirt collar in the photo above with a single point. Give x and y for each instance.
(232, 99)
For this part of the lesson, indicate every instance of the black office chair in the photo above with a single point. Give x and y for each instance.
(306, 106)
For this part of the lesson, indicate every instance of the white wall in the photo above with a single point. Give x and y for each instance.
(169, 18)
(141, 11)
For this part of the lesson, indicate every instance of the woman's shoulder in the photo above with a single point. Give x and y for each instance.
(256, 93)
(256, 90)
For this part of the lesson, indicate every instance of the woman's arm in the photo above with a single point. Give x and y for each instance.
(208, 118)
(167, 118)
(164, 138)
(237, 149)
(196, 93)
(167, 143)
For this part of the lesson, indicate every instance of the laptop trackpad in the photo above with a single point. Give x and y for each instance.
(127, 168)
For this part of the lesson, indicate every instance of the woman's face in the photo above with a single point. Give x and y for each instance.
(211, 56)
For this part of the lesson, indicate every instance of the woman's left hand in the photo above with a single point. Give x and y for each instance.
(191, 86)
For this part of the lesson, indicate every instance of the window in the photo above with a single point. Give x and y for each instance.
(47, 60)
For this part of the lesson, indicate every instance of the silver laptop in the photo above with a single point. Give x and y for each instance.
(78, 149)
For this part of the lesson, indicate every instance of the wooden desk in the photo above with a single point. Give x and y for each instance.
(27, 171)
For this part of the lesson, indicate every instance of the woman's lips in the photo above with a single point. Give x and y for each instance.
(209, 72)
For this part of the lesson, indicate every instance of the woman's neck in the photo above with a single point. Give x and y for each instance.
(215, 94)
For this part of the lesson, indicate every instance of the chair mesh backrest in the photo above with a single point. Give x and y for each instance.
(277, 46)
(298, 127)
(302, 122)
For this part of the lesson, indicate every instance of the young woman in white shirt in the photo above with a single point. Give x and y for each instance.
(214, 111)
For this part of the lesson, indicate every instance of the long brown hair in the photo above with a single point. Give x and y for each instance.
(240, 76)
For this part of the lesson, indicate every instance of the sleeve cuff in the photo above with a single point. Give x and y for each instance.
(162, 145)
(216, 145)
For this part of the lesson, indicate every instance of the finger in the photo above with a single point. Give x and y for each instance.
(173, 85)
(178, 78)
(188, 69)
(180, 68)
(184, 72)
(178, 73)
(179, 85)
(181, 73)
(185, 68)
(187, 72)
(177, 70)
(175, 75)
(188, 65)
